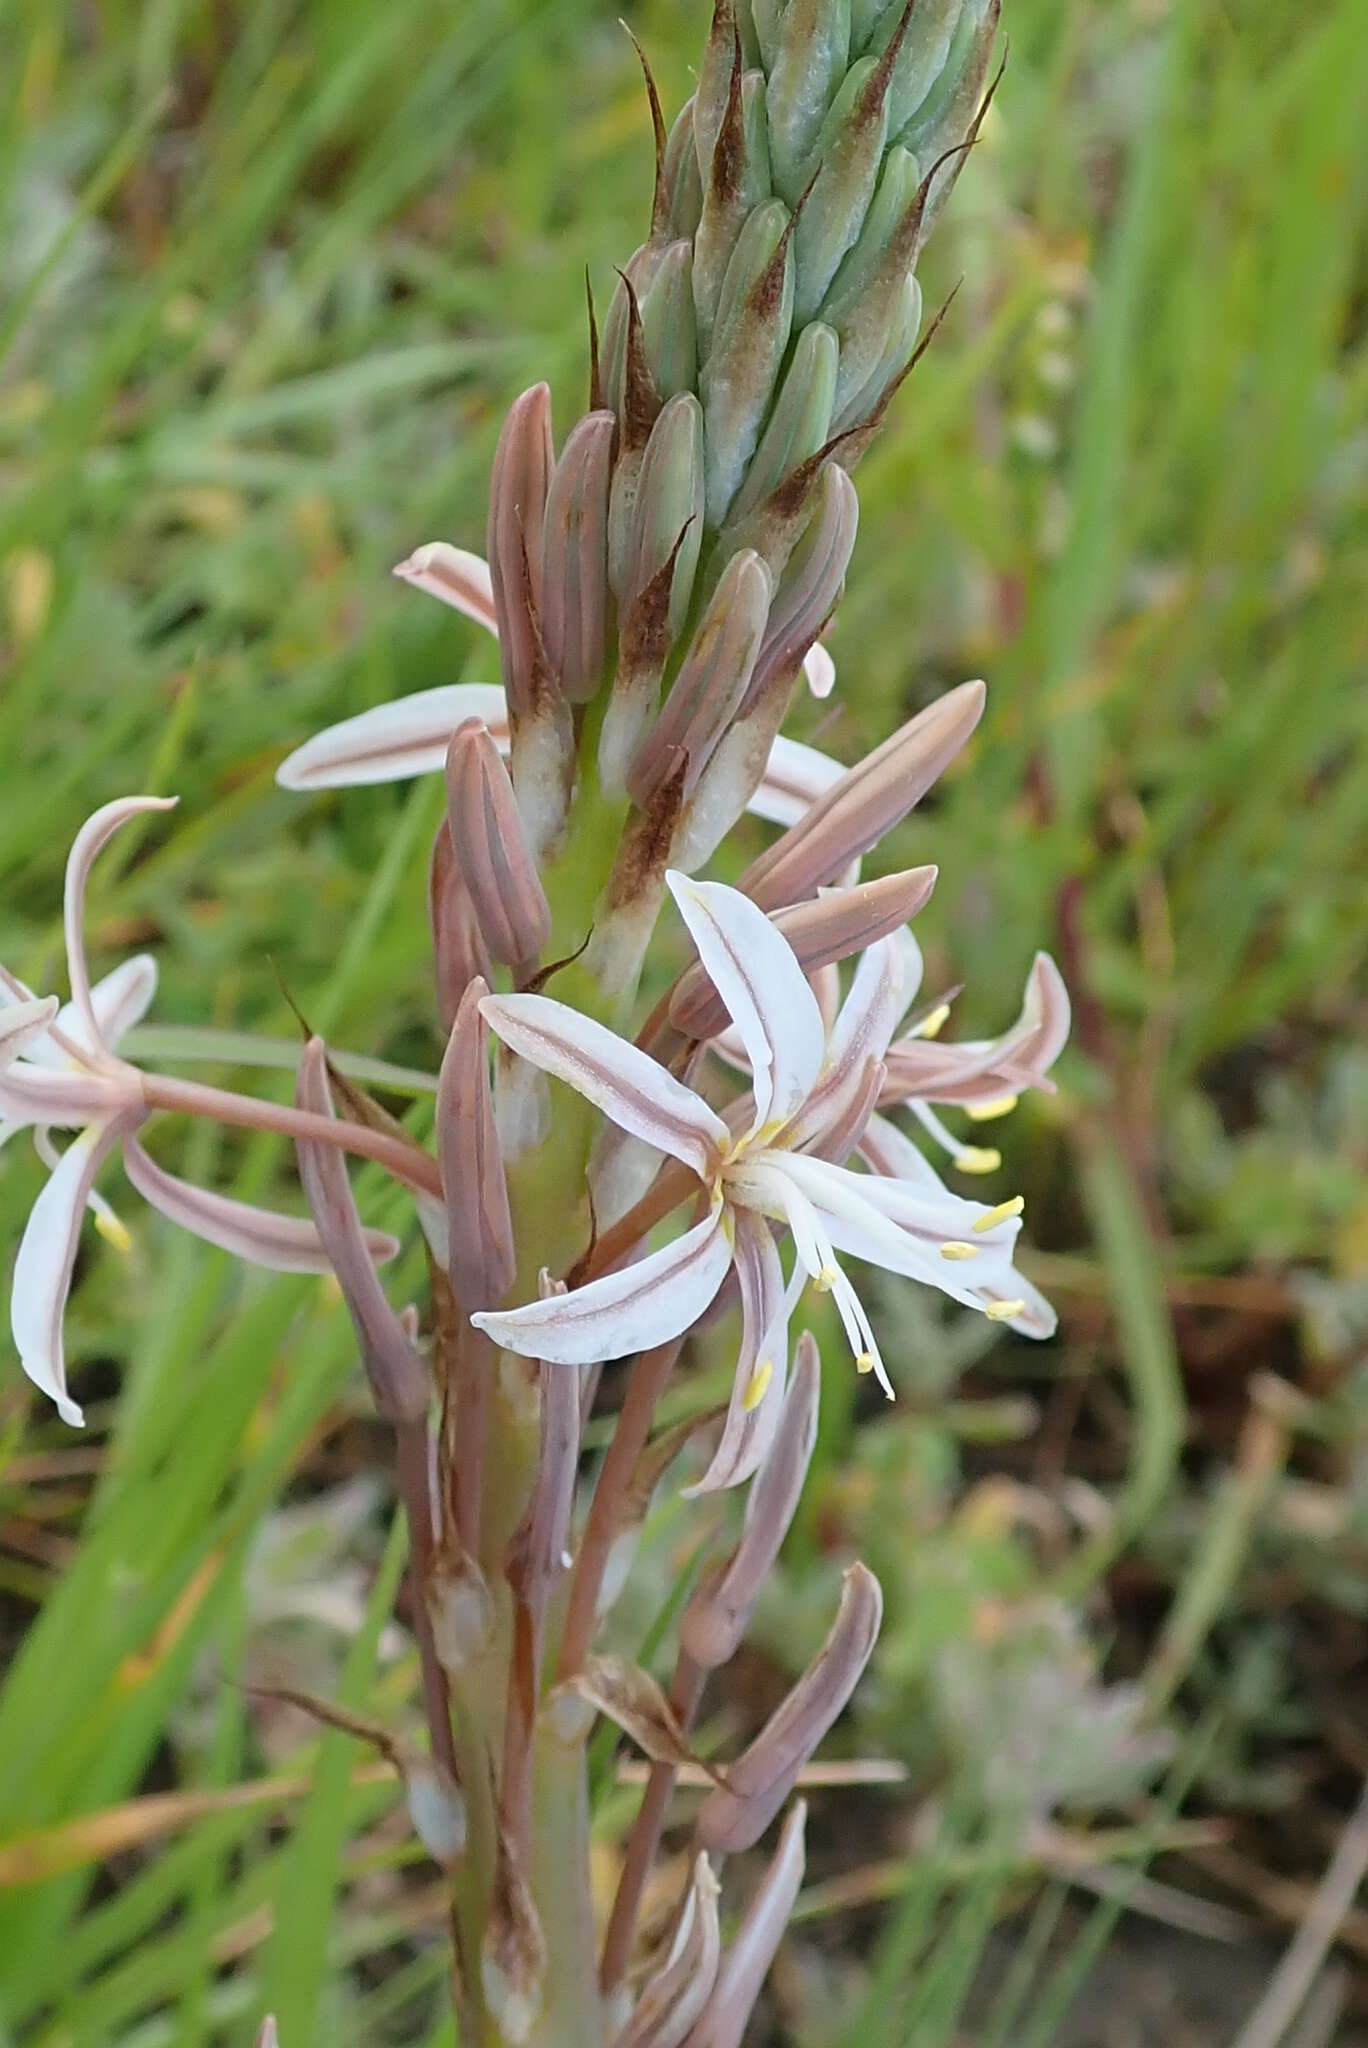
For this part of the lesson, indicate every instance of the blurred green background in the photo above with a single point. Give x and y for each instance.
(268, 275)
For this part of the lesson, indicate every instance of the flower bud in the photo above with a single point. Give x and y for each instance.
(491, 849)
(896, 192)
(398, 1381)
(734, 1818)
(801, 418)
(675, 1994)
(920, 53)
(823, 929)
(766, 16)
(711, 683)
(683, 181)
(639, 269)
(856, 812)
(809, 63)
(897, 353)
(716, 74)
(517, 501)
(719, 1610)
(738, 182)
(459, 952)
(481, 1261)
(754, 315)
(669, 331)
(811, 582)
(575, 557)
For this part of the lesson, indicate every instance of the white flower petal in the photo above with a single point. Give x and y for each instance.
(121, 1000)
(751, 1422)
(977, 1070)
(757, 975)
(42, 1271)
(617, 1077)
(283, 1244)
(644, 1304)
(795, 776)
(891, 1153)
(394, 741)
(23, 1024)
(820, 670)
(96, 832)
(454, 576)
(886, 981)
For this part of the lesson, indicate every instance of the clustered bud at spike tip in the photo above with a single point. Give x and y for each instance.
(655, 590)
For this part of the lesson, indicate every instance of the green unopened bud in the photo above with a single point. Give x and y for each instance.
(639, 269)
(952, 110)
(847, 157)
(683, 181)
(921, 58)
(669, 500)
(897, 354)
(710, 686)
(897, 189)
(575, 557)
(809, 64)
(766, 16)
(669, 334)
(739, 179)
(755, 314)
(801, 419)
(866, 18)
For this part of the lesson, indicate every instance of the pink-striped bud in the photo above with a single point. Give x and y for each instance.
(491, 849)
(459, 952)
(719, 1611)
(675, 1994)
(710, 686)
(518, 486)
(481, 1260)
(867, 802)
(746, 1964)
(735, 1816)
(398, 1381)
(574, 578)
(829, 927)
(812, 580)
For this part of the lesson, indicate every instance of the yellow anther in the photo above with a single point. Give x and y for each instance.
(1003, 1311)
(978, 1159)
(864, 1361)
(986, 1112)
(113, 1230)
(957, 1249)
(757, 1386)
(991, 1218)
(934, 1022)
(824, 1279)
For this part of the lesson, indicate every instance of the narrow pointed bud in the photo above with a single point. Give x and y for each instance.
(801, 418)
(733, 775)
(869, 331)
(867, 802)
(955, 106)
(481, 1261)
(897, 191)
(711, 685)
(397, 1379)
(491, 849)
(638, 413)
(669, 511)
(518, 485)
(574, 578)
(754, 316)
(814, 48)
(669, 329)
(639, 269)
(746, 1963)
(921, 51)
(812, 579)
(737, 183)
(675, 1994)
(820, 931)
(536, 1560)
(766, 16)
(734, 1818)
(898, 351)
(459, 952)
(866, 18)
(719, 1611)
(683, 180)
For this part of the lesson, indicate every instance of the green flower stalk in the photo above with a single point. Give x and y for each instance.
(607, 1183)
